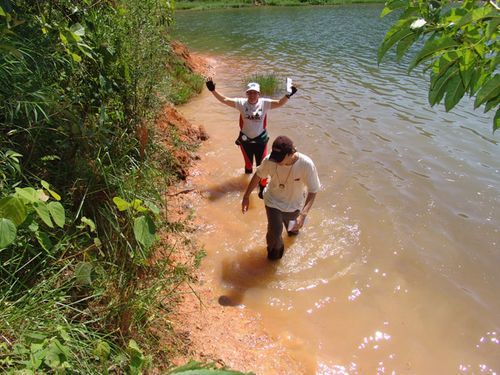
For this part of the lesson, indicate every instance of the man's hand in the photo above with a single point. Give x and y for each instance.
(210, 85)
(294, 90)
(244, 204)
(299, 222)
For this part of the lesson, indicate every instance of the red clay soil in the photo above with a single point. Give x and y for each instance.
(203, 329)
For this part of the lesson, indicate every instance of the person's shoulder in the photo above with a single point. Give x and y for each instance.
(305, 158)
(306, 161)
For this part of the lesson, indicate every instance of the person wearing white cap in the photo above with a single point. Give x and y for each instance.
(253, 110)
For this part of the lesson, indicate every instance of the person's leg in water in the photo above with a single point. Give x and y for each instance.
(260, 153)
(275, 245)
(248, 151)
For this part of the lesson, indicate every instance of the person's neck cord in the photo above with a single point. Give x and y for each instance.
(280, 184)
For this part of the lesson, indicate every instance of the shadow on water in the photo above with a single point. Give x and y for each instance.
(248, 270)
(244, 271)
(217, 191)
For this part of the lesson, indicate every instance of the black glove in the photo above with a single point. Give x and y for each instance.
(294, 90)
(210, 85)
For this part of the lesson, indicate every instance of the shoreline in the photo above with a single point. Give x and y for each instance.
(200, 5)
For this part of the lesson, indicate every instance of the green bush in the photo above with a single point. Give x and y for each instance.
(81, 84)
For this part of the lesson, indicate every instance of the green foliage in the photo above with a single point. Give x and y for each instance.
(460, 48)
(269, 82)
(78, 80)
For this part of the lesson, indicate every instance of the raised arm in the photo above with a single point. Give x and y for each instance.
(221, 98)
(283, 100)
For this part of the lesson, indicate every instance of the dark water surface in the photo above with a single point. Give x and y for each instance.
(397, 269)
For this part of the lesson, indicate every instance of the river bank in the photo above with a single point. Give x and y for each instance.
(204, 330)
(205, 5)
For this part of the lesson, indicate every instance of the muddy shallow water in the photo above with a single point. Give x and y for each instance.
(396, 270)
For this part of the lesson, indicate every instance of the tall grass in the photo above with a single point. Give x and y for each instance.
(270, 83)
(81, 83)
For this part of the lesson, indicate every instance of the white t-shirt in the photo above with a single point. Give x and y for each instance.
(289, 184)
(253, 115)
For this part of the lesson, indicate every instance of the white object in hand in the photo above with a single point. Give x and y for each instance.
(291, 224)
(289, 85)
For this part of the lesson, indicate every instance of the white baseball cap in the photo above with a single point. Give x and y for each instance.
(253, 86)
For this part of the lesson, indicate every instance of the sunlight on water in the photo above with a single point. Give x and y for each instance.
(396, 270)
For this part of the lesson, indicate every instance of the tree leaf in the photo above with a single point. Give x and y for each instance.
(13, 208)
(490, 89)
(43, 213)
(144, 231)
(438, 86)
(56, 210)
(392, 5)
(8, 232)
(454, 92)
(399, 31)
(404, 44)
(476, 15)
(431, 48)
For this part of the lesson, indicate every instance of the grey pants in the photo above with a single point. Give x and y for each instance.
(275, 221)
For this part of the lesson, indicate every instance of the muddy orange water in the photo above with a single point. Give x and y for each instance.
(396, 270)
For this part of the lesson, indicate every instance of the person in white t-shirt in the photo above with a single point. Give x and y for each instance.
(289, 195)
(253, 110)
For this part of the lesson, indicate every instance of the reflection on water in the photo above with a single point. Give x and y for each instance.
(396, 270)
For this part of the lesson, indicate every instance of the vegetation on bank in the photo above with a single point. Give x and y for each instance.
(218, 4)
(82, 182)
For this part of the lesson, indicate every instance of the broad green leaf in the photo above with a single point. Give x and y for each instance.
(28, 194)
(76, 58)
(34, 337)
(399, 31)
(477, 15)
(57, 213)
(404, 44)
(46, 186)
(44, 241)
(154, 209)
(43, 213)
(2, 12)
(102, 350)
(121, 203)
(144, 231)
(86, 221)
(431, 48)
(454, 92)
(56, 354)
(391, 6)
(137, 206)
(438, 86)
(490, 89)
(13, 208)
(8, 232)
(77, 29)
(83, 273)
(491, 104)
(492, 27)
